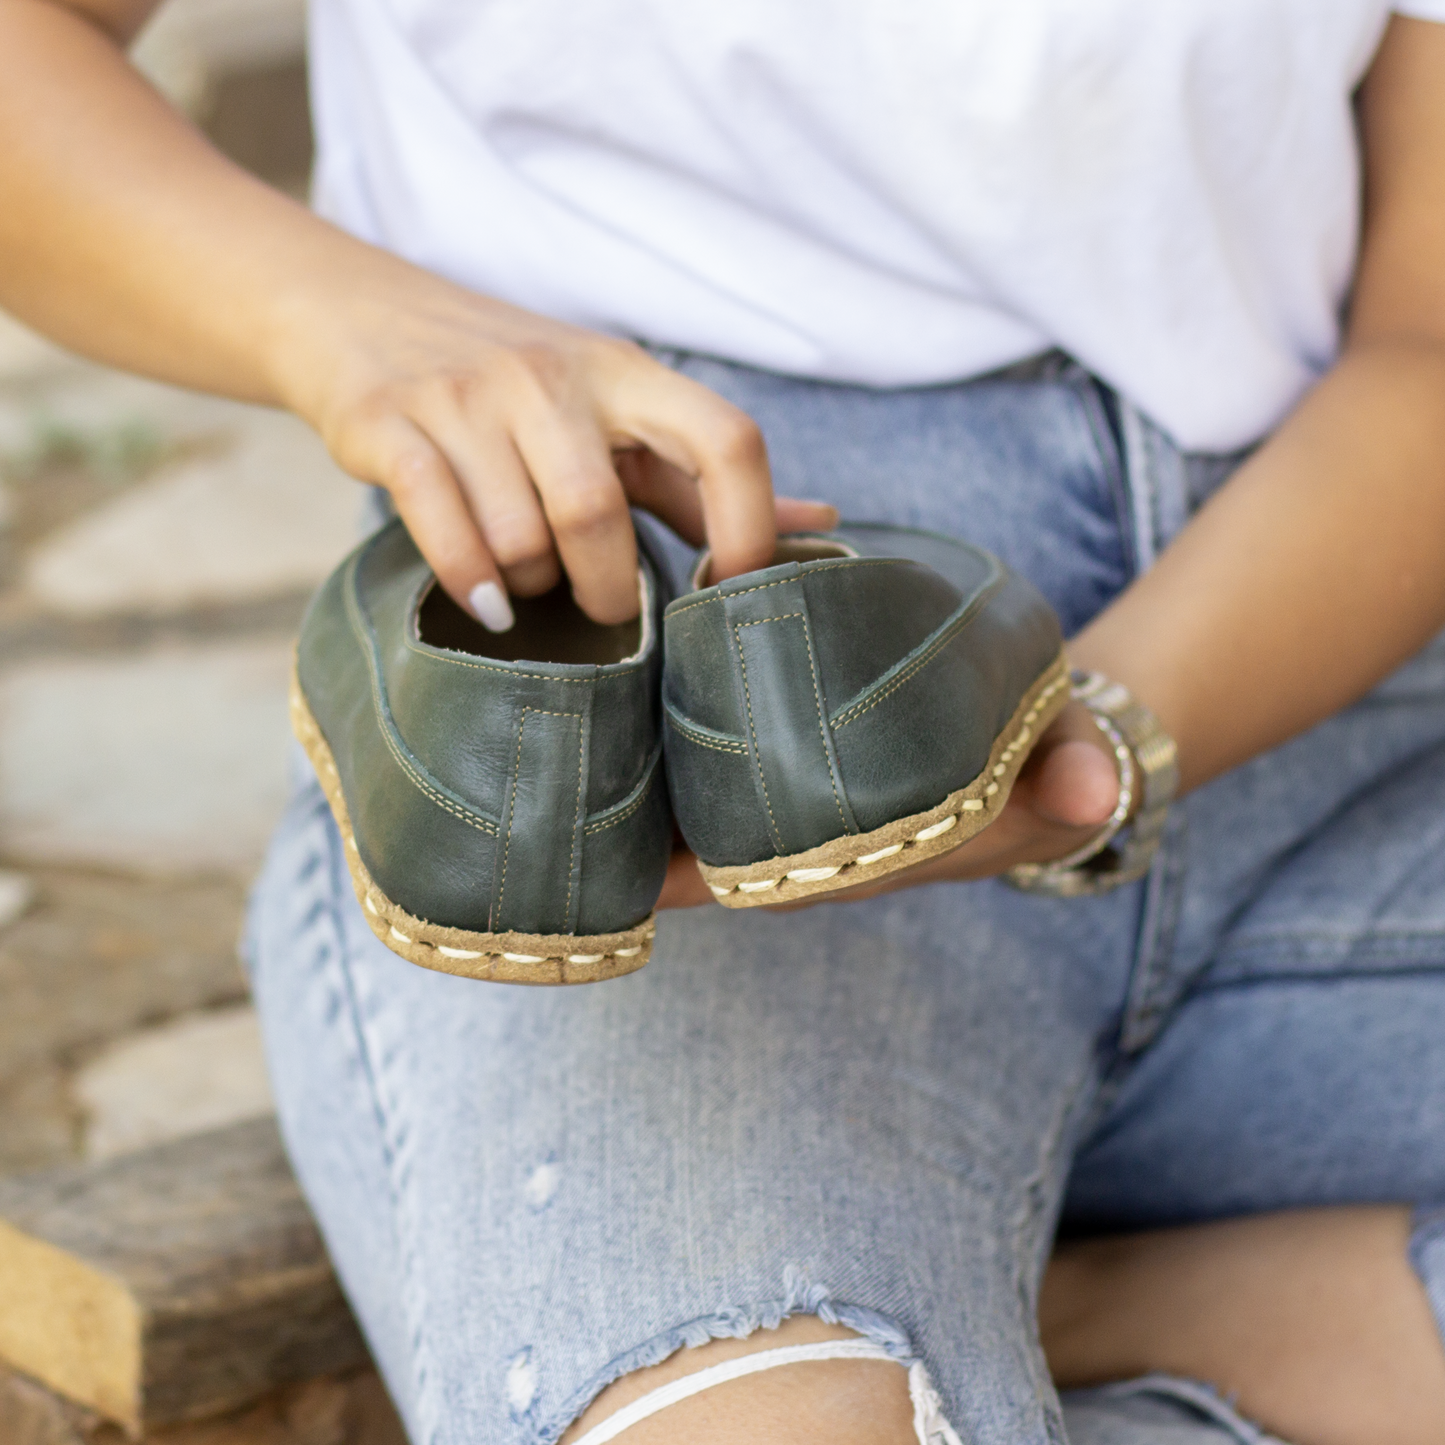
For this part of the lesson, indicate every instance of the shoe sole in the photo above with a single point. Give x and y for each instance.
(536, 958)
(858, 858)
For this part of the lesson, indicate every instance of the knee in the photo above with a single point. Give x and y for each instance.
(837, 1401)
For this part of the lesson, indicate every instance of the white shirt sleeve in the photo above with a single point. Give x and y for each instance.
(1421, 9)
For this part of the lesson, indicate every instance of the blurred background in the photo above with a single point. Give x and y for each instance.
(156, 550)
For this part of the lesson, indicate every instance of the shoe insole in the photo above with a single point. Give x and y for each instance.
(549, 628)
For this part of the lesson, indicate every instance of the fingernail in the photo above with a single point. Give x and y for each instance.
(490, 606)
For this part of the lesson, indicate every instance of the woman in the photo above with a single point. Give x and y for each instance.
(858, 243)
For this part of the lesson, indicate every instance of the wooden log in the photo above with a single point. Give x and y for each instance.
(351, 1409)
(31, 1415)
(171, 1284)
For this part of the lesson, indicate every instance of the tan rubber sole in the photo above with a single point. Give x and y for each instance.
(537, 958)
(858, 858)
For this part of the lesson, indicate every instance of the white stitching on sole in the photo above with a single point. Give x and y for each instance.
(1015, 746)
(309, 733)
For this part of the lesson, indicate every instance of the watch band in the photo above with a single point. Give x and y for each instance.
(1146, 758)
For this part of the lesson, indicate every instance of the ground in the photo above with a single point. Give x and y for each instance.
(156, 551)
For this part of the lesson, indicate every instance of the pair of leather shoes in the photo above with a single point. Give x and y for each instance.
(860, 706)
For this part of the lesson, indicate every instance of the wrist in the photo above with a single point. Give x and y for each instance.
(308, 329)
(1122, 850)
(1143, 653)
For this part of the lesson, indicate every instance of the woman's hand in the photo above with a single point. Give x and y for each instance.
(1064, 794)
(513, 445)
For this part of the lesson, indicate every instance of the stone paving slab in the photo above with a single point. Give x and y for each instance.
(155, 549)
(48, 388)
(97, 957)
(170, 761)
(25, 356)
(268, 513)
(17, 893)
(198, 1072)
(40, 1120)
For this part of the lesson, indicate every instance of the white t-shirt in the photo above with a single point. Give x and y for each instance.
(888, 192)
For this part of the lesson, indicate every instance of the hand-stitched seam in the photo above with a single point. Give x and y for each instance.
(516, 781)
(823, 725)
(317, 749)
(763, 586)
(440, 799)
(758, 763)
(697, 732)
(732, 749)
(631, 801)
(577, 807)
(591, 829)
(435, 654)
(973, 797)
(511, 813)
(907, 675)
(817, 698)
(482, 825)
(947, 635)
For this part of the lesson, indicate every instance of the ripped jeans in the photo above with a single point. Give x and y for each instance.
(881, 1112)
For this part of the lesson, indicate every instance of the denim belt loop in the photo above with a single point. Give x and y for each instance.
(1157, 477)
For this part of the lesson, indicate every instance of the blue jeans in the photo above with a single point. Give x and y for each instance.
(880, 1112)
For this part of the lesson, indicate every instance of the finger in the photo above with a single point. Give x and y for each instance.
(705, 437)
(666, 491)
(1076, 784)
(797, 514)
(396, 454)
(683, 886)
(672, 495)
(570, 465)
(498, 491)
(1071, 778)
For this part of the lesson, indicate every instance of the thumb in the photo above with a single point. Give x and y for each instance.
(1076, 784)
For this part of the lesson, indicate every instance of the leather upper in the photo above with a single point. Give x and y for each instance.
(488, 794)
(818, 698)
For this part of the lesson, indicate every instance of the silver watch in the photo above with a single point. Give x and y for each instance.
(1145, 756)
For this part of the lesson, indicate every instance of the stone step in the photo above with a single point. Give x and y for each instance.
(173, 1284)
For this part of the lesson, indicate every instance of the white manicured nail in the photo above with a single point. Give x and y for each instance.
(490, 607)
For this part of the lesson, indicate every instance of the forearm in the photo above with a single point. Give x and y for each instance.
(1306, 579)
(123, 234)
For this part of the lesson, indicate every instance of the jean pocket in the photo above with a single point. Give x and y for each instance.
(1364, 892)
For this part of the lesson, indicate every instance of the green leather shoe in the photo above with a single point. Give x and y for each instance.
(860, 706)
(500, 795)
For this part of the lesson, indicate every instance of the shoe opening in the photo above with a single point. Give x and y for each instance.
(797, 547)
(551, 628)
